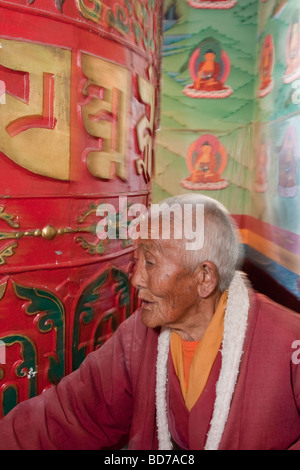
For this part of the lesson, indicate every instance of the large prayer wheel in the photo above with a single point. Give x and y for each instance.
(79, 82)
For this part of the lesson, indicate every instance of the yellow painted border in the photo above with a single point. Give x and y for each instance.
(280, 255)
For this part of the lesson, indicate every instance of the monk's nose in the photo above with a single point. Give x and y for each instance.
(138, 278)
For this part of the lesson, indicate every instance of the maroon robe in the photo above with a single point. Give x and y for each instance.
(189, 429)
(112, 394)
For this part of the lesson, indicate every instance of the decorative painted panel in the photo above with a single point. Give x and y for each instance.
(230, 120)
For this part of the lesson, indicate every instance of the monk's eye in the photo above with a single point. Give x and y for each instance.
(149, 263)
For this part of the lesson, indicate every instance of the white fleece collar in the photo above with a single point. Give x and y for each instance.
(235, 325)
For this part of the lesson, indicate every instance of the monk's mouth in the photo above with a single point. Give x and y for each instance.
(146, 303)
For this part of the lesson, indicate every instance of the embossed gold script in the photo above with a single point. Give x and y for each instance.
(34, 122)
(144, 129)
(104, 114)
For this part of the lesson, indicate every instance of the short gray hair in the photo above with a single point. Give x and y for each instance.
(221, 243)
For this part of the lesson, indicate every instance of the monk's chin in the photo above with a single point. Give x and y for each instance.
(149, 318)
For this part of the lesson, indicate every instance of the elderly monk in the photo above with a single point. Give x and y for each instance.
(205, 363)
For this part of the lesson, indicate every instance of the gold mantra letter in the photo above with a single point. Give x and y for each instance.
(104, 114)
(145, 129)
(34, 122)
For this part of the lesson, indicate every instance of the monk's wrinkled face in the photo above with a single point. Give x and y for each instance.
(167, 290)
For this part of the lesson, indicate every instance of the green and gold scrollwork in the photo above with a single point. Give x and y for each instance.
(92, 248)
(122, 292)
(7, 252)
(23, 368)
(122, 289)
(52, 317)
(9, 398)
(2, 289)
(110, 319)
(93, 14)
(50, 232)
(118, 223)
(133, 18)
(84, 313)
(8, 218)
(119, 20)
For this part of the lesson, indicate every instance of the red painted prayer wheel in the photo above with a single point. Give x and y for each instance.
(79, 83)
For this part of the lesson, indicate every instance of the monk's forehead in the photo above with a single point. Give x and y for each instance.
(161, 246)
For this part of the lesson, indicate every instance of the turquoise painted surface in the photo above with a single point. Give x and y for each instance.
(242, 121)
(185, 119)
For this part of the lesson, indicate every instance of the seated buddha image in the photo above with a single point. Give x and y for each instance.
(212, 4)
(206, 161)
(262, 166)
(288, 164)
(266, 67)
(208, 74)
(209, 68)
(292, 71)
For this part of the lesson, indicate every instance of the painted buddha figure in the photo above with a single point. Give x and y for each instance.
(205, 166)
(262, 163)
(209, 66)
(266, 67)
(293, 50)
(208, 73)
(288, 168)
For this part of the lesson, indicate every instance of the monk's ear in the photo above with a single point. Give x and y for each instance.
(207, 279)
